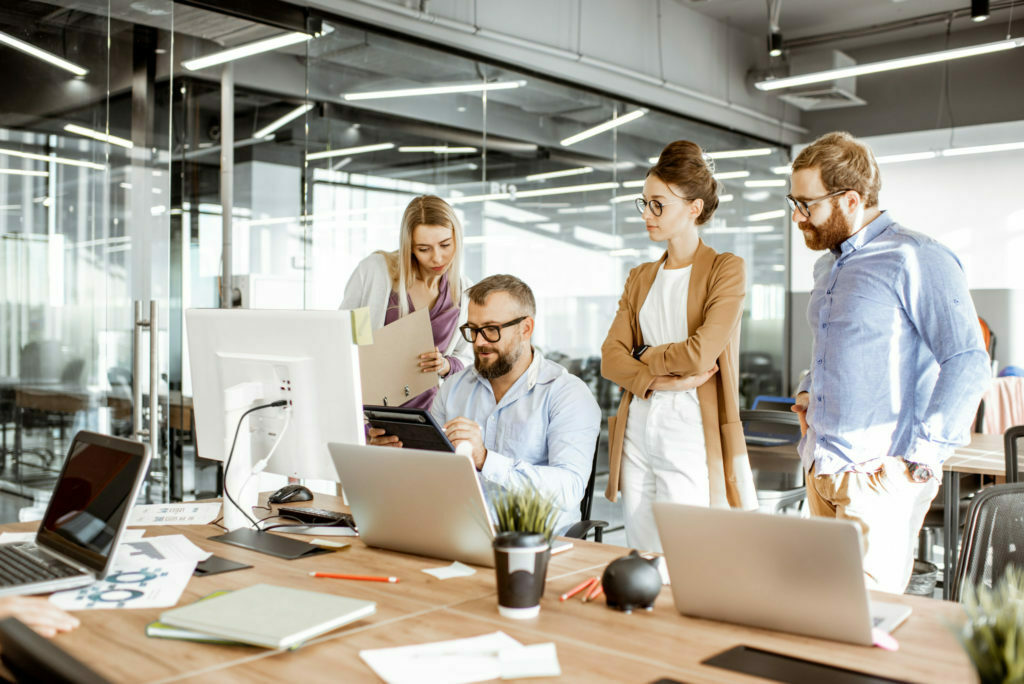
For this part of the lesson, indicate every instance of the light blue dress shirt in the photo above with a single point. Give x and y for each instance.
(541, 434)
(898, 364)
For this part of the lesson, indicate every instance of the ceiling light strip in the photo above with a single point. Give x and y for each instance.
(248, 50)
(560, 174)
(362, 149)
(736, 154)
(56, 160)
(436, 149)
(278, 123)
(98, 135)
(890, 64)
(601, 128)
(434, 90)
(30, 49)
(24, 172)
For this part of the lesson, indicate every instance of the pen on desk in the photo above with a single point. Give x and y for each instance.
(582, 586)
(595, 592)
(365, 578)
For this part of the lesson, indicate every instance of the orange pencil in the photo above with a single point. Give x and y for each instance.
(595, 592)
(582, 586)
(365, 578)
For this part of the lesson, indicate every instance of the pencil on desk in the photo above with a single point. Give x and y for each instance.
(365, 578)
(595, 592)
(582, 586)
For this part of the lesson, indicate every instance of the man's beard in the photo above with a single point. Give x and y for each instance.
(501, 365)
(829, 235)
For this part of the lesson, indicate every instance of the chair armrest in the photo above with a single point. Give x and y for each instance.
(583, 527)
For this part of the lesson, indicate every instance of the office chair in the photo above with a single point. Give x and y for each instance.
(582, 528)
(32, 658)
(767, 402)
(771, 438)
(1010, 438)
(991, 539)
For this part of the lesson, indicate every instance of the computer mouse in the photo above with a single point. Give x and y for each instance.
(290, 493)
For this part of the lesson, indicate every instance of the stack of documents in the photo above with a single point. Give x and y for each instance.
(477, 659)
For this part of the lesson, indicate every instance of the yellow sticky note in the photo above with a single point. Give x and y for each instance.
(361, 331)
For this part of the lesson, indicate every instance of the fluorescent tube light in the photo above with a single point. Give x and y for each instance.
(735, 154)
(97, 135)
(601, 128)
(467, 199)
(633, 183)
(623, 198)
(24, 172)
(434, 90)
(277, 123)
(725, 198)
(889, 64)
(248, 50)
(727, 175)
(982, 149)
(597, 237)
(634, 219)
(590, 209)
(362, 149)
(41, 54)
(782, 170)
(653, 160)
(436, 149)
(629, 251)
(767, 215)
(773, 183)
(560, 174)
(56, 160)
(910, 156)
(567, 189)
(739, 229)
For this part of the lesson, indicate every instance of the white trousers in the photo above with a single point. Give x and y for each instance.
(663, 459)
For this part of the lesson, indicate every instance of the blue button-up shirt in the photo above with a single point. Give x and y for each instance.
(898, 364)
(542, 433)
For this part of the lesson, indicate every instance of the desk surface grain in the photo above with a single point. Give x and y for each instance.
(595, 643)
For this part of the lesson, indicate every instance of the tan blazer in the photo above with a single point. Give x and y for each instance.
(714, 307)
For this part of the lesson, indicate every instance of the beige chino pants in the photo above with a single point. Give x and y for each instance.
(889, 508)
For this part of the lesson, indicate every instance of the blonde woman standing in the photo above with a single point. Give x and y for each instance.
(425, 273)
(673, 348)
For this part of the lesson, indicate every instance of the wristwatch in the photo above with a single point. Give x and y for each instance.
(639, 351)
(919, 472)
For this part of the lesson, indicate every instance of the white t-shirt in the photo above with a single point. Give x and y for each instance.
(663, 314)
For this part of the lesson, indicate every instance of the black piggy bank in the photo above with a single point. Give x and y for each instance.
(631, 582)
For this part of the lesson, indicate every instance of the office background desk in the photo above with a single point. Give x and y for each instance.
(594, 642)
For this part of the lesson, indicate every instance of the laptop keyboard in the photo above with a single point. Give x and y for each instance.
(18, 566)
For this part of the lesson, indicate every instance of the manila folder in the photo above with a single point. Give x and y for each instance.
(389, 368)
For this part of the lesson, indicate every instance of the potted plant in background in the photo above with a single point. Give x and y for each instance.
(993, 635)
(526, 520)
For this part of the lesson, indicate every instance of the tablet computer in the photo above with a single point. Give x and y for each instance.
(416, 428)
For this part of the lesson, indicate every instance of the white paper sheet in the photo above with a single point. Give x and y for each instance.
(193, 513)
(460, 661)
(8, 537)
(456, 569)
(146, 573)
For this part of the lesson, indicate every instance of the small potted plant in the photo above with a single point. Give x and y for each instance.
(526, 522)
(993, 635)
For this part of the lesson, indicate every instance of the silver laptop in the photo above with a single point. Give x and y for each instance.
(785, 573)
(88, 510)
(427, 503)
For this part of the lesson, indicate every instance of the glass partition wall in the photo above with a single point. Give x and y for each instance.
(332, 131)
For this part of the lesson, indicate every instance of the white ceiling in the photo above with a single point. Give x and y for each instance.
(802, 18)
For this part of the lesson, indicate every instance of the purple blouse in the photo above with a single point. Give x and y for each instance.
(443, 317)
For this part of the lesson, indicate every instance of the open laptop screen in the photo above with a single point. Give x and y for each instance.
(92, 497)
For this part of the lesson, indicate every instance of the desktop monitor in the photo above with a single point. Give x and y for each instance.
(242, 358)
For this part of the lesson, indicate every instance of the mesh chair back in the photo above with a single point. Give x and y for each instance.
(587, 502)
(992, 538)
(771, 438)
(1010, 438)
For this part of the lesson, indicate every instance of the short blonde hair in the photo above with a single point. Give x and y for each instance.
(502, 282)
(845, 163)
(425, 210)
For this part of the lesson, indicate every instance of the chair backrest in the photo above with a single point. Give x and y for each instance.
(770, 428)
(587, 502)
(32, 658)
(991, 539)
(1010, 438)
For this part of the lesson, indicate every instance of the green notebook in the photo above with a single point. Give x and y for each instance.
(161, 630)
(268, 615)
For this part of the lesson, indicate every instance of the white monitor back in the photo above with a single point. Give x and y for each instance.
(241, 358)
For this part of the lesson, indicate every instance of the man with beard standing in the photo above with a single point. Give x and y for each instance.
(898, 366)
(529, 422)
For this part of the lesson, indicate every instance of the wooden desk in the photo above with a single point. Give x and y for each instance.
(983, 456)
(594, 642)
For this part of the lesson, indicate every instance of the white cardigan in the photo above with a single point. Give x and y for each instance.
(370, 286)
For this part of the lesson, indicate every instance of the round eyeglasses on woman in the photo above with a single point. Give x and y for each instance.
(805, 207)
(655, 205)
(491, 333)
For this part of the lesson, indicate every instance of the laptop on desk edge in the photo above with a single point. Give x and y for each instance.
(88, 510)
(772, 571)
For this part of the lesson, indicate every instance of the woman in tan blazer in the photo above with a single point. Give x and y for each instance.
(673, 348)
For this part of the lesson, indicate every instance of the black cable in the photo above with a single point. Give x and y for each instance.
(227, 464)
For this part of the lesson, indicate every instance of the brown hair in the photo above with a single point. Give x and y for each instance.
(845, 163)
(425, 210)
(515, 287)
(682, 164)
